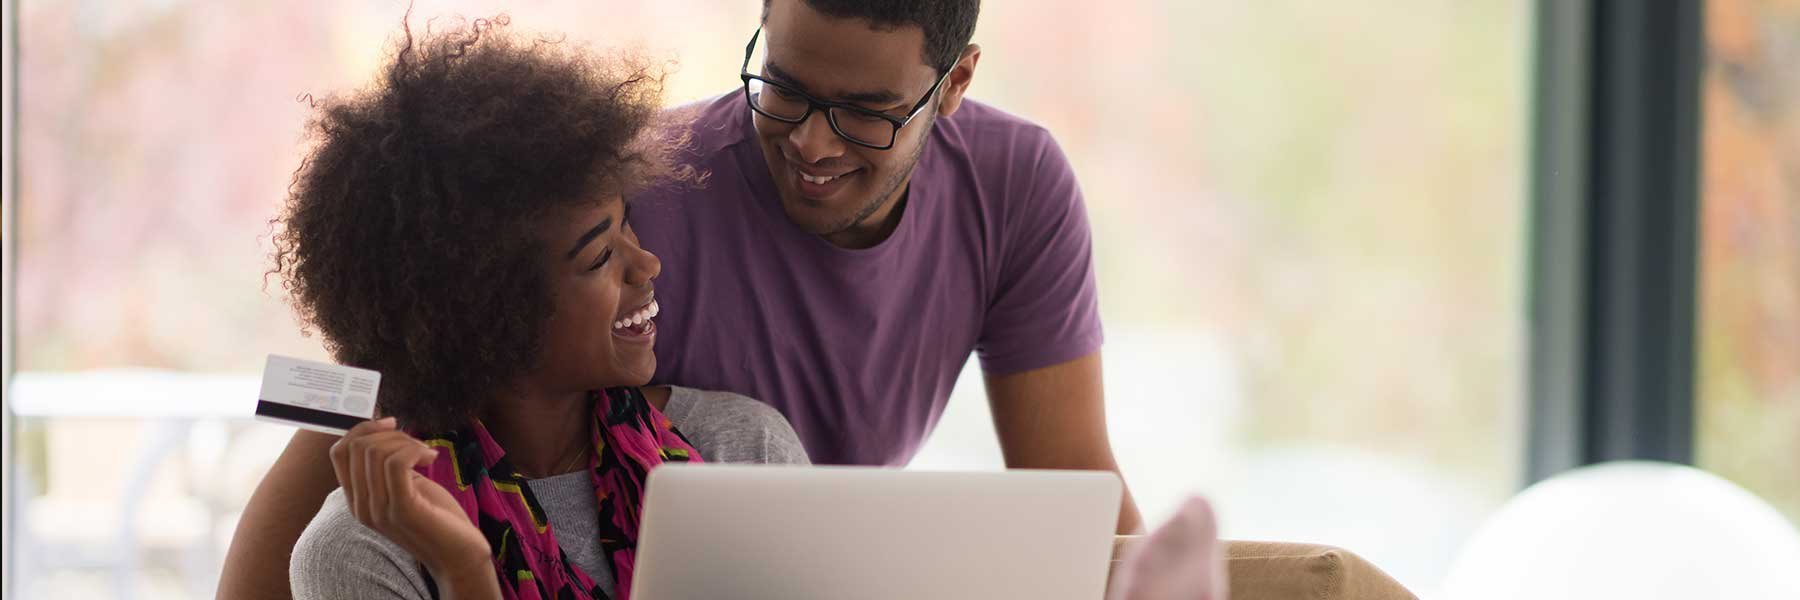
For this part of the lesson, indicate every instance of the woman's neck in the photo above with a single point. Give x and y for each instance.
(543, 433)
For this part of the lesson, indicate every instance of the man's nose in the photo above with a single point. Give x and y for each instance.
(814, 140)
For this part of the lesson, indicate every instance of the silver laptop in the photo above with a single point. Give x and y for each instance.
(713, 532)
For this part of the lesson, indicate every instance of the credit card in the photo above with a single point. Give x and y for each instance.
(315, 395)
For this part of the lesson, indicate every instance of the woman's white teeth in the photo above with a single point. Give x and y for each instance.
(634, 319)
(817, 180)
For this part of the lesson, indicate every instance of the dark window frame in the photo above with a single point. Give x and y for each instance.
(1614, 227)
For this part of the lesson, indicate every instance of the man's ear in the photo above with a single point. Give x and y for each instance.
(961, 76)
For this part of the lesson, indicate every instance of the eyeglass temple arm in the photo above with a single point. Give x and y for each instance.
(749, 48)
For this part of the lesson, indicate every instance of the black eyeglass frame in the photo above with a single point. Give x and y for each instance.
(826, 106)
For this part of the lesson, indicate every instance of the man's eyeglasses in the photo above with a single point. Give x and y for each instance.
(858, 125)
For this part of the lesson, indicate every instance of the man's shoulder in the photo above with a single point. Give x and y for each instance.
(710, 125)
(977, 125)
(707, 135)
(975, 113)
(994, 154)
(994, 146)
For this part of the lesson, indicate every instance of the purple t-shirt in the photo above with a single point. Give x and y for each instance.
(860, 348)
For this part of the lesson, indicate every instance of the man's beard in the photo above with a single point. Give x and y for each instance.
(890, 189)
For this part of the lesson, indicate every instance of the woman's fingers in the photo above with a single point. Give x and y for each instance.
(361, 447)
(384, 451)
(375, 464)
(399, 456)
(340, 466)
(350, 457)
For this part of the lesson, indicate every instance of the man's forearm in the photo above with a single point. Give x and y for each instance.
(256, 565)
(1131, 522)
(1055, 418)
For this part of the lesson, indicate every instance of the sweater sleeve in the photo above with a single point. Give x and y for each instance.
(340, 558)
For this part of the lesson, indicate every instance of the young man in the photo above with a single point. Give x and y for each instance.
(863, 228)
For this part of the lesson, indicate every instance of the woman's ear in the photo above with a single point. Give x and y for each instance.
(961, 76)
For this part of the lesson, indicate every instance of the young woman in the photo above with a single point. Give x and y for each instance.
(459, 226)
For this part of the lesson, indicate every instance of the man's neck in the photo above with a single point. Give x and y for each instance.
(541, 431)
(874, 229)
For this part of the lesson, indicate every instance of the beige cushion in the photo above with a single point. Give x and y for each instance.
(1289, 571)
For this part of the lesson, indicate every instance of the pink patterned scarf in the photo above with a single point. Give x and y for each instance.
(630, 438)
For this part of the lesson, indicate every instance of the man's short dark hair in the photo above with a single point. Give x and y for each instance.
(948, 24)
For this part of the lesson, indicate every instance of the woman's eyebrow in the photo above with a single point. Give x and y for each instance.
(590, 235)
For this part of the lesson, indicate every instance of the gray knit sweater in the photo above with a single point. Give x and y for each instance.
(338, 557)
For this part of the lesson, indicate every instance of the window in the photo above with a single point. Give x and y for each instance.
(1749, 332)
(1309, 222)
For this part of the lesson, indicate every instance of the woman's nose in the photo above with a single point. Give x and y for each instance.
(645, 268)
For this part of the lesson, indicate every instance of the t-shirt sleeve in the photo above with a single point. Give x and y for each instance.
(338, 557)
(1044, 309)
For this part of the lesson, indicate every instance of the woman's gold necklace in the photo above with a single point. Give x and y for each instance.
(559, 470)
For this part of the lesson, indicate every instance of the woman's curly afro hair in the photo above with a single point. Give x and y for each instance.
(411, 234)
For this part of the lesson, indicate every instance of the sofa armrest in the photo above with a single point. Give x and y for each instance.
(1290, 571)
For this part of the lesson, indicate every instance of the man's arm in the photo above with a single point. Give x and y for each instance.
(1055, 418)
(256, 566)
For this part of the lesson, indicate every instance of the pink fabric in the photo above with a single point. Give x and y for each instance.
(630, 437)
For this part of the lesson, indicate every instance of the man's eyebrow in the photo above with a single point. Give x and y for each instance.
(590, 235)
(880, 98)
